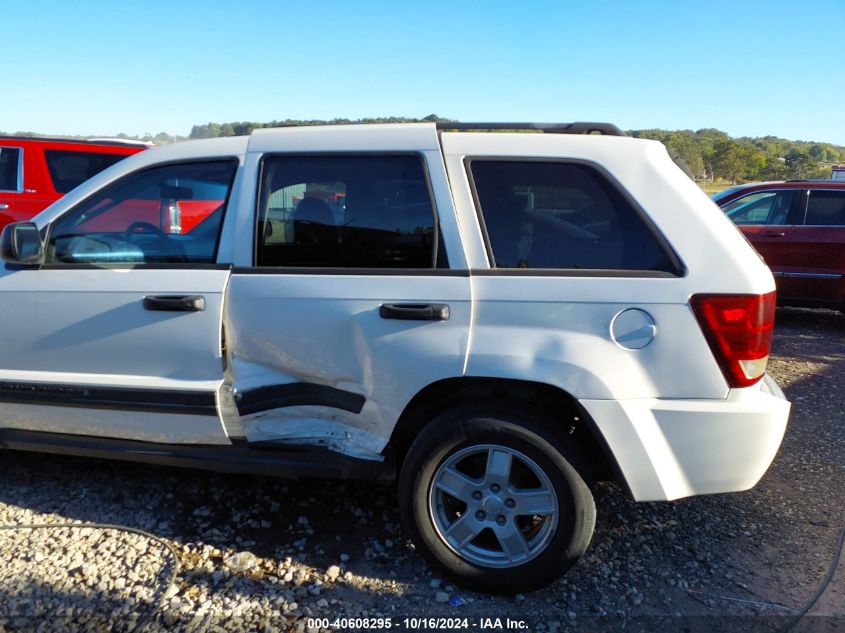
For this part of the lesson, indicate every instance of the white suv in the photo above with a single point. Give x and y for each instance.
(497, 320)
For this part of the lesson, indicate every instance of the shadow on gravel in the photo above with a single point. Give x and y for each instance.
(808, 320)
(79, 611)
(755, 553)
(312, 522)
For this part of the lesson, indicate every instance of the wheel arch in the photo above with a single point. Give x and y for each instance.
(575, 423)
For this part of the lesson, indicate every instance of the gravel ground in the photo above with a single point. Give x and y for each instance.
(265, 554)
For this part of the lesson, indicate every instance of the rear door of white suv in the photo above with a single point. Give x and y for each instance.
(350, 292)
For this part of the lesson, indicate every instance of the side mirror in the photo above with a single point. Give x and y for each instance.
(21, 243)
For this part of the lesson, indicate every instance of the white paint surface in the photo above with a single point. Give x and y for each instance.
(665, 410)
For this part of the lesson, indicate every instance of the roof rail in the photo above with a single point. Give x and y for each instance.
(66, 139)
(121, 141)
(810, 180)
(581, 127)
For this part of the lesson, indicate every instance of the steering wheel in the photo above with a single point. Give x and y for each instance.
(141, 227)
(163, 244)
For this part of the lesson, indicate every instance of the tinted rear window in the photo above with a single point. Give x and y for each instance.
(70, 169)
(561, 215)
(10, 168)
(826, 208)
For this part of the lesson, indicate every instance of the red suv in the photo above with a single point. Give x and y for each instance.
(798, 227)
(35, 172)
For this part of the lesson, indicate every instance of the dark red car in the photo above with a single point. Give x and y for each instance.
(36, 171)
(798, 226)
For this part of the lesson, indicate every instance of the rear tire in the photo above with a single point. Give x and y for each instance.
(496, 499)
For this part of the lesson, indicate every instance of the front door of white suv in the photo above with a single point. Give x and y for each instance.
(118, 333)
(347, 302)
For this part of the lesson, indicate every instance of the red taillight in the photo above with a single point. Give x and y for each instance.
(739, 329)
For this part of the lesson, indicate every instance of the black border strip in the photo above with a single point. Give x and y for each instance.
(453, 272)
(137, 266)
(274, 459)
(111, 398)
(572, 272)
(297, 394)
(395, 272)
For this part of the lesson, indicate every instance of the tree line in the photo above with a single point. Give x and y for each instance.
(709, 154)
(213, 130)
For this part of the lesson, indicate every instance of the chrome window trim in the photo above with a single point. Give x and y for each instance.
(20, 168)
(807, 226)
(809, 275)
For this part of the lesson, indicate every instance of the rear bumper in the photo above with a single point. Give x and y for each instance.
(668, 449)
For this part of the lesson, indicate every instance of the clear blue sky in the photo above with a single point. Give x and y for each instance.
(748, 67)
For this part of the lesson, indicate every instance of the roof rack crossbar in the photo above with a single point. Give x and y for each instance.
(581, 127)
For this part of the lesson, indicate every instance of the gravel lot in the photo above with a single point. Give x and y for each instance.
(333, 549)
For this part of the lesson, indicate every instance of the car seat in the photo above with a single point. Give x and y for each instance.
(313, 223)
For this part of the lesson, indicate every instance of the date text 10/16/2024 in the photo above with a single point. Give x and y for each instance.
(418, 623)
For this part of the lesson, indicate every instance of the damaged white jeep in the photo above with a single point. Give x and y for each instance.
(496, 320)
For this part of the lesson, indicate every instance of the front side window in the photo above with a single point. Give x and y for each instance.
(826, 208)
(70, 169)
(345, 212)
(762, 208)
(167, 214)
(560, 215)
(10, 169)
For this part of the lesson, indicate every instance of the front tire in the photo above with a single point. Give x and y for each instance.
(496, 500)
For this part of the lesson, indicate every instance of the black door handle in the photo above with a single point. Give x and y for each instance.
(414, 311)
(175, 303)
